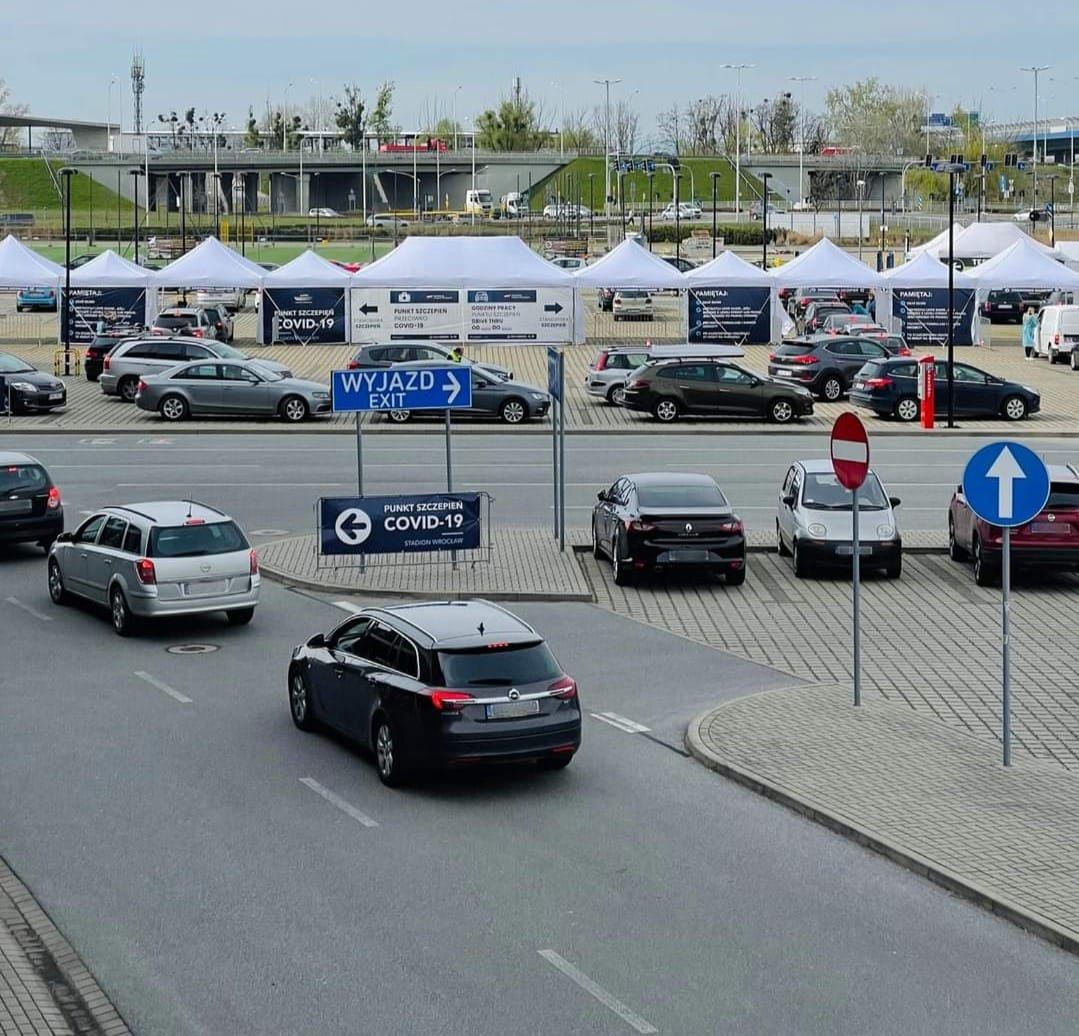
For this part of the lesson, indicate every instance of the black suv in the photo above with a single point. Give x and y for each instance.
(438, 684)
(825, 365)
(30, 507)
(709, 388)
(890, 387)
(93, 360)
(1002, 307)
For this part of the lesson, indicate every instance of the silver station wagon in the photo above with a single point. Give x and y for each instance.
(151, 560)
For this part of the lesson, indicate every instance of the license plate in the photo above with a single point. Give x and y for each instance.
(15, 506)
(56, 395)
(1050, 527)
(513, 709)
(859, 384)
(785, 374)
(687, 555)
(847, 549)
(1003, 305)
(206, 589)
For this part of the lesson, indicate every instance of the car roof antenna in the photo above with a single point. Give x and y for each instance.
(188, 507)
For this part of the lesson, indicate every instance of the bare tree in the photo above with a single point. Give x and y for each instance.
(579, 130)
(673, 125)
(9, 134)
(624, 129)
(774, 124)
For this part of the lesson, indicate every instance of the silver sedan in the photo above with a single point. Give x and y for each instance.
(246, 389)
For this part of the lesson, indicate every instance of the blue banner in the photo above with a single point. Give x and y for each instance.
(114, 309)
(303, 316)
(735, 316)
(399, 524)
(923, 315)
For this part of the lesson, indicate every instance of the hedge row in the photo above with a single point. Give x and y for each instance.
(732, 233)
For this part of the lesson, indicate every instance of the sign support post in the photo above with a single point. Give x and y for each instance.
(561, 452)
(359, 470)
(1006, 683)
(449, 469)
(556, 386)
(856, 580)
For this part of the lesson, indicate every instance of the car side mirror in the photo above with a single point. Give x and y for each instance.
(894, 501)
(66, 537)
(318, 640)
(788, 500)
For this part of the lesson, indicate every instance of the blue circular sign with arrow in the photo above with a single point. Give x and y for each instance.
(1006, 484)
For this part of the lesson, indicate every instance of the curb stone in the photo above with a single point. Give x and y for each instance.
(986, 898)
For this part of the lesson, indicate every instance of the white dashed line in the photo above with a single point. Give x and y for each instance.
(40, 616)
(620, 722)
(153, 681)
(347, 606)
(340, 803)
(609, 1001)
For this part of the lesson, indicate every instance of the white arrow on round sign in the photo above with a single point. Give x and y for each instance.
(352, 527)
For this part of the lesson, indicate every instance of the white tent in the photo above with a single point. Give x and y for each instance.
(631, 265)
(109, 270)
(21, 267)
(985, 240)
(729, 300)
(825, 265)
(729, 269)
(1024, 265)
(922, 313)
(110, 291)
(924, 271)
(210, 265)
(305, 301)
(1070, 250)
(938, 246)
(464, 289)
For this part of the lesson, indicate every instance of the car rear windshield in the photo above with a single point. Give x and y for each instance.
(870, 370)
(21, 477)
(823, 492)
(795, 348)
(498, 667)
(680, 496)
(1062, 495)
(163, 321)
(189, 541)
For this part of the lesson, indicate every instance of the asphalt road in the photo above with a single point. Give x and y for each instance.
(270, 482)
(189, 851)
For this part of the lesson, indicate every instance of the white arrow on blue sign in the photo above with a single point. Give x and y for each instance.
(410, 388)
(1006, 484)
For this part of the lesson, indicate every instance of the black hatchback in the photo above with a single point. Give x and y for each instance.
(438, 684)
(30, 507)
(24, 389)
(826, 364)
(890, 388)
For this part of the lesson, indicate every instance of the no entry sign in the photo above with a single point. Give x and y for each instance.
(850, 451)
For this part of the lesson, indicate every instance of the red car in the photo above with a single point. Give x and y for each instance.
(1050, 541)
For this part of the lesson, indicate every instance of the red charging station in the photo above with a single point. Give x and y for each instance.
(927, 389)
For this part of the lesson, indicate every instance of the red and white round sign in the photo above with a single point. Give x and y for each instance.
(850, 451)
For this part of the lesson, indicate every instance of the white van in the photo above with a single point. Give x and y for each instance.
(1057, 334)
(478, 201)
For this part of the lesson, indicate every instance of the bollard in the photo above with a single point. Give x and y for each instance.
(927, 389)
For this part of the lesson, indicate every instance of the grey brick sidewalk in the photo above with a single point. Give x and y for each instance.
(928, 796)
(45, 989)
(525, 565)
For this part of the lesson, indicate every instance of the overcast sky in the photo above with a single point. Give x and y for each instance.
(226, 56)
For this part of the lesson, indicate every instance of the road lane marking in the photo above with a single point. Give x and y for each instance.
(340, 803)
(347, 606)
(40, 616)
(620, 722)
(153, 681)
(612, 1003)
(231, 485)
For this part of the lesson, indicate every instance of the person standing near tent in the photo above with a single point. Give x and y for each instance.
(457, 354)
(1030, 324)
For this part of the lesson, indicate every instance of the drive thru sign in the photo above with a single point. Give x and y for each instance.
(850, 462)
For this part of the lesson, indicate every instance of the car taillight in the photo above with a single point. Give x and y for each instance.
(54, 498)
(254, 563)
(804, 359)
(450, 701)
(732, 526)
(772, 357)
(142, 385)
(637, 383)
(878, 383)
(904, 351)
(637, 526)
(144, 569)
(1056, 338)
(565, 688)
(197, 332)
(108, 361)
(353, 365)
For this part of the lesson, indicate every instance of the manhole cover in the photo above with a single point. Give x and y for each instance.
(192, 649)
(265, 532)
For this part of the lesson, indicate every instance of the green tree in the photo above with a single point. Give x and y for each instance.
(350, 116)
(381, 117)
(877, 118)
(252, 137)
(514, 126)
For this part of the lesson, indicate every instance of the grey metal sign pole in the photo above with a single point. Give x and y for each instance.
(554, 464)
(1006, 584)
(449, 468)
(856, 578)
(561, 452)
(359, 471)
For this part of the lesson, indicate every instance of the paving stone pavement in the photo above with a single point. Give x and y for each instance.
(930, 641)
(45, 989)
(524, 565)
(926, 795)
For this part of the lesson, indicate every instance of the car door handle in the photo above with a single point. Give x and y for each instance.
(82, 554)
(108, 561)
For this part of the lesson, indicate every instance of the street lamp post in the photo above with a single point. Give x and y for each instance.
(738, 138)
(651, 199)
(67, 173)
(676, 176)
(1052, 211)
(622, 203)
(861, 189)
(606, 83)
(764, 222)
(284, 120)
(591, 207)
(243, 205)
(456, 90)
(318, 211)
(474, 172)
(714, 177)
(1036, 69)
(801, 81)
(136, 173)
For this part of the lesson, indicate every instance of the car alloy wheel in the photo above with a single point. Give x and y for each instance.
(832, 389)
(666, 410)
(512, 411)
(984, 573)
(387, 754)
(1014, 408)
(128, 389)
(400, 416)
(780, 411)
(781, 547)
(618, 396)
(56, 583)
(294, 409)
(119, 612)
(173, 408)
(907, 409)
(612, 394)
(955, 552)
(597, 550)
(1075, 359)
(801, 567)
(299, 701)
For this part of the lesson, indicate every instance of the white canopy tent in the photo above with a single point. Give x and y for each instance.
(464, 289)
(921, 315)
(938, 246)
(985, 240)
(109, 290)
(630, 265)
(1070, 250)
(109, 270)
(21, 267)
(1026, 264)
(729, 300)
(305, 301)
(211, 264)
(924, 271)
